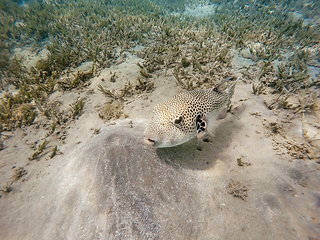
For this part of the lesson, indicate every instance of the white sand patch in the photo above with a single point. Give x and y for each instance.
(200, 11)
(29, 56)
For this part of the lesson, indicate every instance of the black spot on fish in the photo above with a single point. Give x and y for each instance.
(179, 120)
(200, 124)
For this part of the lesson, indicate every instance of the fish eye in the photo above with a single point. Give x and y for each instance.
(178, 120)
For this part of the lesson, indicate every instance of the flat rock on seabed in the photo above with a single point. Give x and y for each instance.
(115, 187)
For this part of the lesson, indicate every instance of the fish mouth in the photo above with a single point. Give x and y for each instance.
(149, 141)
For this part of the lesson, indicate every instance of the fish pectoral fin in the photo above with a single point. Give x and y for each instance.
(223, 113)
(211, 132)
(210, 119)
(201, 135)
(206, 124)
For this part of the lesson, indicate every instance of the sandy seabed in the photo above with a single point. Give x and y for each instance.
(246, 182)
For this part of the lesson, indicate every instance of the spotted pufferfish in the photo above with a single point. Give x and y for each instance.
(186, 115)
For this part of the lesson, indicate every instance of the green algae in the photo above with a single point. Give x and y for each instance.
(111, 110)
(77, 108)
(39, 150)
(196, 50)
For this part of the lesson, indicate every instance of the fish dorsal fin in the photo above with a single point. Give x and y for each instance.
(224, 87)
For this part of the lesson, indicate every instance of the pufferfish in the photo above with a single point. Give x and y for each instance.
(186, 115)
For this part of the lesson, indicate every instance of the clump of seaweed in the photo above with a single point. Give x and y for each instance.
(108, 93)
(204, 77)
(236, 189)
(52, 111)
(40, 149)
(14, 115)
(79, 80)
(77, 108)
(307, 100)
(54, 152)
(288, 80)
(111, 110)
(183, 79)
(145, 74)
(19, 173)
(113, 77)
(7, 188)
(114, 108)
(96, 131)
(275, 128)
(1, 144)
(52, 129)
(25, 115)
(258, 89)
(143, 86)
(128, 89)
(125, 91)
(241, 163)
